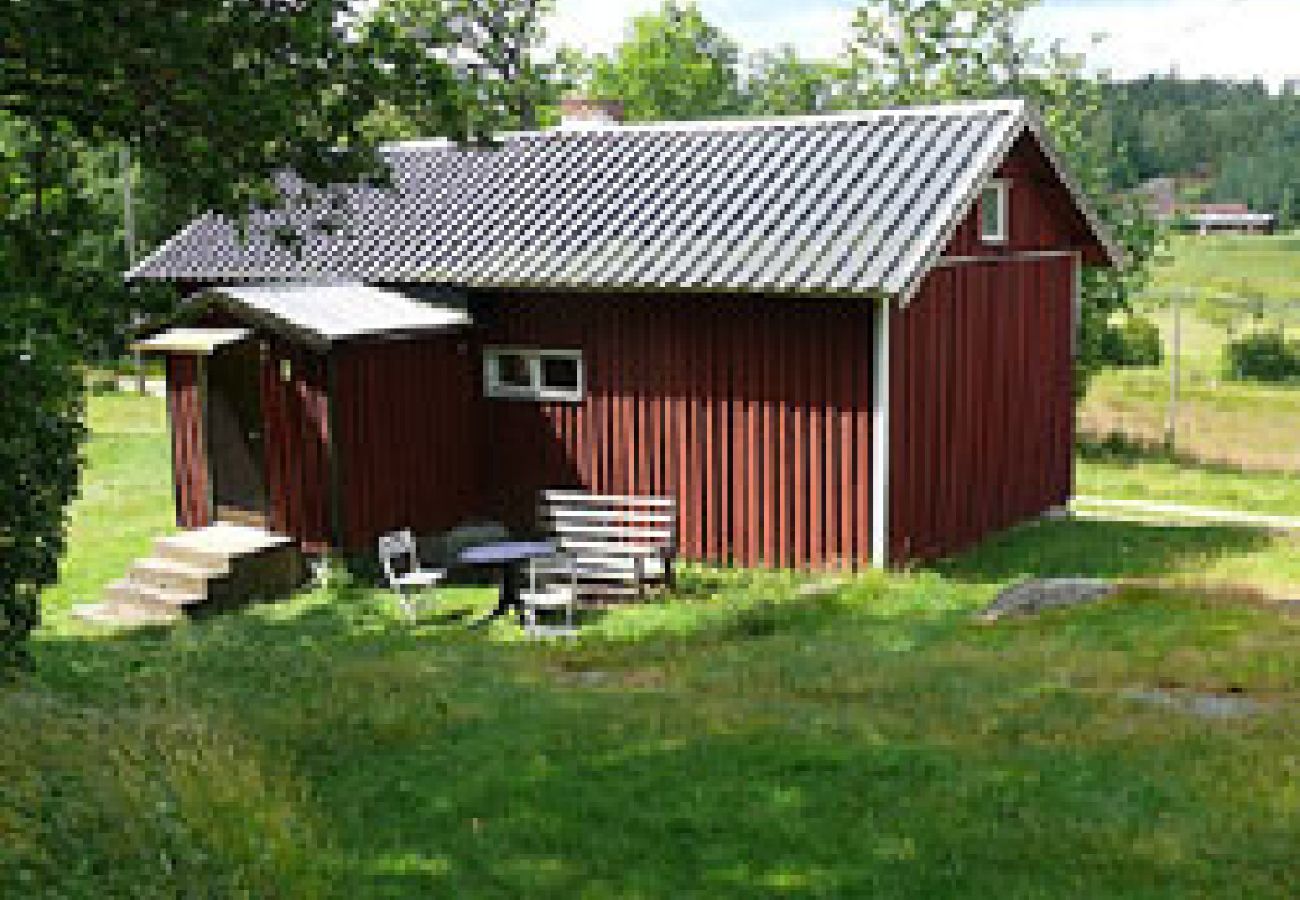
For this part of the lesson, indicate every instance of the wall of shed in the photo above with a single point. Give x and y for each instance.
(981, 404)
(297, 443)
(754, 413)
(408, 434)
(189, 447)
(1042, 214)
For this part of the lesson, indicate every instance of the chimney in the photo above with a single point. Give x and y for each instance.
(589, 112)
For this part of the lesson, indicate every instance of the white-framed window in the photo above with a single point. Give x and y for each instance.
(525, 373)
(994, 209)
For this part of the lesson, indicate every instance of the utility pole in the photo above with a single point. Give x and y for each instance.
(128, 230)
(1175, 376)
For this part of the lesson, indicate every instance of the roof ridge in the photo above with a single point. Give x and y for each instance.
(1016, 106)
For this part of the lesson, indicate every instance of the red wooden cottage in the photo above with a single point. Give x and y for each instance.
(836, 340)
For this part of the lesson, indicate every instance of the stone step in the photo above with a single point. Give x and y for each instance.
(216, 566)
(132, 592)
(215, 546)
(125, 614)
(189, 554)
(173, 574)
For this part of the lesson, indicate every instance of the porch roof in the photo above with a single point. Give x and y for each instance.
(326, 313)
(199, 341)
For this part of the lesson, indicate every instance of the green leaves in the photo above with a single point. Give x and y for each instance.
(215, 98)
(674, 64)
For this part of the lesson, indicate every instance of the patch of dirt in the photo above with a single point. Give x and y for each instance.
(635, 679)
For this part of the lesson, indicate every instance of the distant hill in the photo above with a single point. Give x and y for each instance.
(1226, 141)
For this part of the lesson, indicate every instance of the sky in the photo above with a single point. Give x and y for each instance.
(1224, 38)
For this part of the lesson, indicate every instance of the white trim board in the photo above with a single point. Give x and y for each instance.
(880, 430)
(1014, 256)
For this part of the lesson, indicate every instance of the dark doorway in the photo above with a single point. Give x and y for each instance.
(235, 434)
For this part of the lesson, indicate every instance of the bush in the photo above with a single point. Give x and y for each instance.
(1136, 342)
(1262, 356)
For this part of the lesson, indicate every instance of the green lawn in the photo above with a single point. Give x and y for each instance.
(747, 738)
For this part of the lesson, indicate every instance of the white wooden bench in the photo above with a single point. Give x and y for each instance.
(618, 546)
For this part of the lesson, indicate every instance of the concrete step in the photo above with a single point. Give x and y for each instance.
(123, 614)
(215, 546)
(172, 574)
(133, 592)
(189, 554)
(216, 566)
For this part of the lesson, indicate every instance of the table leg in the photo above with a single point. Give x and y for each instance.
(510, 588)
(507, 597)
(503, 600)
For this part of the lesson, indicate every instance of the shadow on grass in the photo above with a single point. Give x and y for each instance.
(1078, 548)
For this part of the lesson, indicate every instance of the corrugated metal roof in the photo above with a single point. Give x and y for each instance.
(324, 313)
(842, 204)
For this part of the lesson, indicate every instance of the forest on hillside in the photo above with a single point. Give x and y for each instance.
(1241, 138)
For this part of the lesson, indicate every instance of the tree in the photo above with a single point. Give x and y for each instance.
(496, 44)
(780, 83)
(215, 97)
(674, 64)
(912, 51)
(923, 51)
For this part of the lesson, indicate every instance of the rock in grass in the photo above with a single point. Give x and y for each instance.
(1039, 594)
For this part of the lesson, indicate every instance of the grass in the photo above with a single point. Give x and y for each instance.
(1127, 472)
(1244, 425)
(1261, 265)
(754, 737)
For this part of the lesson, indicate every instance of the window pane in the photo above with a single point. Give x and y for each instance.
(512, 370)
(559, 373)
(991, 213)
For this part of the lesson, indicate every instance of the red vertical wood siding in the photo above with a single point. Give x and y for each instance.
(1041, 215)
(981, 403)
(754, 413)
(297, 444)
(189, 447)
(409, 434)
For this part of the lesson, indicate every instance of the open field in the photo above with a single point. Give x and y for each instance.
(1264, 265)
(1250, 426)
(748, 738)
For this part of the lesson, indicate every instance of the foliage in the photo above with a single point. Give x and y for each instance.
(1135, 343)
(1266, 356)
(781, 83)
(906, 52)
(215, 98)
(494, 46)
(673, 64)
(1235, 140)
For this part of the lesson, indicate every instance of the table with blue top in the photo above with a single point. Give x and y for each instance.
(508, 557)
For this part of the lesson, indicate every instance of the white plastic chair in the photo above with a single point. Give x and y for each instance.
(552, 588)
(401, 562)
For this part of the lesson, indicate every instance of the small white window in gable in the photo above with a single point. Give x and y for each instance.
(994, 207)
(516, 373)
